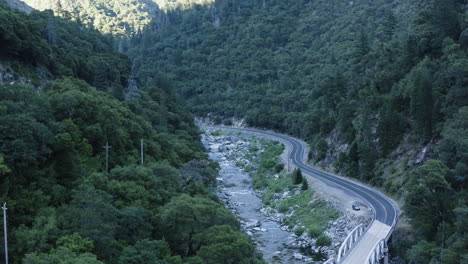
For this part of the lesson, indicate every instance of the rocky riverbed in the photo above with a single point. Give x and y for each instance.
(263, 224)
(235, 189)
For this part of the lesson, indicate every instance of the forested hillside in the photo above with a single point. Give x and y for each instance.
(61, 100)
(119, 18)
(379, 89)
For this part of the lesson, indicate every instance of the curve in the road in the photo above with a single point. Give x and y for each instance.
(384, 209)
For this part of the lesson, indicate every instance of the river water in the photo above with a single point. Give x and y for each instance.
(235, 188)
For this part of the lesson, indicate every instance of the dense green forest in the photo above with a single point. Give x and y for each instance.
(122, 18)
(372, 83)
(64, 99)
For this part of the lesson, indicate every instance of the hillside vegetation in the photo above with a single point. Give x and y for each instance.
(368, 83)
(121, 18)
(61, 99)
(378, 88)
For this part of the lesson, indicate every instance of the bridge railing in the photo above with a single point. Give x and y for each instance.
(379, 252)
(380, 249)
(352, 238)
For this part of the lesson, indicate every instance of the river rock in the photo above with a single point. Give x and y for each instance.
(298, 256)
(251, 223)
(258, 229)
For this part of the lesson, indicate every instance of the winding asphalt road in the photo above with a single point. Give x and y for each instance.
(384, 210)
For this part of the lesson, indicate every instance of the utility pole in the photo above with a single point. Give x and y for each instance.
(141, 150)
(107, 147)
(5, 230)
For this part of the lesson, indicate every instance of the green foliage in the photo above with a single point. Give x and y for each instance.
(305, 185)
(66, 210)
(313, 214)
(267, 164)
(92, 215)
(323, 241)
(423, 252)
(222, 244)
(137, 185)
(436, 213)
(390, 130)
(314, 231)
(185, 217)
(166, 115)
(3, 167)
(65, 48)
(45, 228)
(21, 38)
(428, 199)
(119, 18)
(298, 199)
(75, 243)
(26, 123)
(299, 231)
(279, 167)
(277, 186)
(283, 208)
(146, 251)
(370, 75)
(297, 176)
(73, 212)
(61, 255)
(199, 175)
(322, 147)
(453, 147)
(422, 101)
(367, 75)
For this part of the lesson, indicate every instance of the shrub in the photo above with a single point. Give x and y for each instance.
(282, 208)
(305, 185)
(315, 231)
(268, 164)
(299, 231)
(279, 167)
(323, 240)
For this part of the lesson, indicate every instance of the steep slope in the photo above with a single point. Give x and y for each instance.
(119, 18)
(320, 69)
(115, 17)
(19, 5)
(61, 101)
(377, 87)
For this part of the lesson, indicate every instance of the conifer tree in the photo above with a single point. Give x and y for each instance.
(297, 175)
(305, 185)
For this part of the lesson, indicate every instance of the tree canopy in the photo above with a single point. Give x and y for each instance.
(66, 97)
